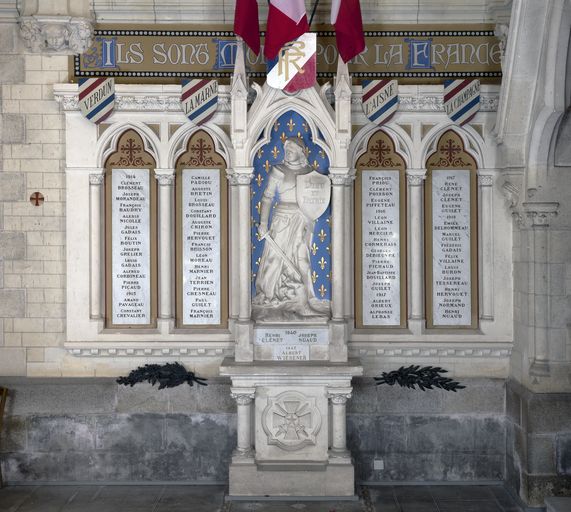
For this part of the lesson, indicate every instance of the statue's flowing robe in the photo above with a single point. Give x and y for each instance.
(291, 230)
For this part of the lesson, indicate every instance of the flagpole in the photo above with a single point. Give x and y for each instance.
(313, 12)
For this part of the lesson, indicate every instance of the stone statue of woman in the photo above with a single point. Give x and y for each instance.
(284, 289)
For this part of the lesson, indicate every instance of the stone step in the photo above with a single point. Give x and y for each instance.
(558, 504)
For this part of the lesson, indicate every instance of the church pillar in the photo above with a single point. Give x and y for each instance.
(539, 215)
(485, 182)
(96, 180)
(415, 179)
(165, 179)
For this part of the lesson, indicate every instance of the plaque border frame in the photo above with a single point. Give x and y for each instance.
(150, 165)
(205, 164)
(403, 240)
(460, 164)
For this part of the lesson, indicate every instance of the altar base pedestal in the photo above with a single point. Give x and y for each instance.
(291, 429)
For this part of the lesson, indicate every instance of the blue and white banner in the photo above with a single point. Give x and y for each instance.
(380, 100)
(461, 99)
(199, 99)
(96, 98)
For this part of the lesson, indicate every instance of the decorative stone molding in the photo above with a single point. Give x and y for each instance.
(423, 101)
(96, 179)
(501, 31)
(342, 179)
(452, 352)
(415, 178)
(61, 35)
(539, 214)
(243, 397)
(150, 350)
(238, 178)
(485, 180)
(339, 398)
(165, 176)
(148, 98)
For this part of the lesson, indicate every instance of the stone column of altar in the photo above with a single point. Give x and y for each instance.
(244, 398)
(415, 179)
(338, 347)
(339, 399)
(539, 215)
(485, 182)
(165, 179)
(96, 179)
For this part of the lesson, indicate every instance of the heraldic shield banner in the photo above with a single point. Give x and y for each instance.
(199, 99)
(96, 98)
(461, 100)
(295, 67)
(380, 100)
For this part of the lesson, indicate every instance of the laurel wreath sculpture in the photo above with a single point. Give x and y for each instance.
(428, 377)
(168, 375)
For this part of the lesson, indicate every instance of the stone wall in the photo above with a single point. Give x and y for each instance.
(32, 238)
(538, 434)
(94, 430)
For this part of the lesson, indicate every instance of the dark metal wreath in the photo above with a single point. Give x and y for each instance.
(425, 378)
(168, 375)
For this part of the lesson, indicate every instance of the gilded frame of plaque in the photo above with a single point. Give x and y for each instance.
(380, 155)
(451, 155)
(130, 154)
(201, 154)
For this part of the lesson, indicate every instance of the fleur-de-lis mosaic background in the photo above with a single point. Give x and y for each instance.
(292, 124)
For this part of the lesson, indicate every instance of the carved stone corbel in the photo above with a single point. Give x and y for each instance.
(62, 35)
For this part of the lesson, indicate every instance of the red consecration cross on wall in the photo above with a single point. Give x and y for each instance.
(37, 199)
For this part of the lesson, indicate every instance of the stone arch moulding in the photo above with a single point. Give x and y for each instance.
(201, 166)
(451, 155)
(272, 103)
(179, 143)
(380, 167)
(402, 142)
(109, 140)
(130, 154)
(552, 104)
(472, 143)
(266, 135)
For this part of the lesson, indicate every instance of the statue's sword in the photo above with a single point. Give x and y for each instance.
(282, 254)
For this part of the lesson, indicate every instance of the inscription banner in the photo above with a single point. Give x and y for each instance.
(298, 336)
(201, 246)
(451, 248)
(131, 257)
(380, 235)
(413, 54)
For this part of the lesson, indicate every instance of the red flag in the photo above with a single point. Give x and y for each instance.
(287, 20)
(246, 24)
(346, 17)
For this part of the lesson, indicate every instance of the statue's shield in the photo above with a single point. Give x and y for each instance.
(313, 192)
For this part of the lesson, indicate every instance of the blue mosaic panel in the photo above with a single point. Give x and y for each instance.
(292, 124)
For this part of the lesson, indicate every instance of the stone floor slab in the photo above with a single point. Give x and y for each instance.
(210, 498)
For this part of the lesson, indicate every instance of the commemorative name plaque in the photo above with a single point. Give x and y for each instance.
(131, 257)
(380, 227)
(291, 344)
(201, 246)
(451, 277)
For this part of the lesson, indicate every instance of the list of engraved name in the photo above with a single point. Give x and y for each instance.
(131, 247)
(381, 248)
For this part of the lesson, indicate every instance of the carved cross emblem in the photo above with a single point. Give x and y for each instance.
(450, 149)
